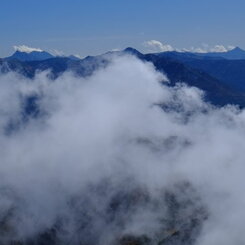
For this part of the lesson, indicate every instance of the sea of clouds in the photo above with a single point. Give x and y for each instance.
(119, 153)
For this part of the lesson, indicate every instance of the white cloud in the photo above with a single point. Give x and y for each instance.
(115, 49)
(157, 46)
(78, 56)
(57, 52)
(194, 50)
(205, 48)
(218, 49)
(24, 48)
(103, 145)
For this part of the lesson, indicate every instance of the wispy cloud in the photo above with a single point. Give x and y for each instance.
(157, 46)
(205, 48)
(27, 49)
(57, 52)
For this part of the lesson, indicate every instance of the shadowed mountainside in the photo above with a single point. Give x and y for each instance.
(221, 79)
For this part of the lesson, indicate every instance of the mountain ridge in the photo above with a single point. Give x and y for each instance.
(178, 68)
(30, 56)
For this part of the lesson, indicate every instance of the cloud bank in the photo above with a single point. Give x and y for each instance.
(118, 156)
(205, 48)
(157, 46)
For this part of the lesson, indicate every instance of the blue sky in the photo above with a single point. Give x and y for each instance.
(94, 26)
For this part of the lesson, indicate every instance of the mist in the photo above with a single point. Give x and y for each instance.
(116, 157)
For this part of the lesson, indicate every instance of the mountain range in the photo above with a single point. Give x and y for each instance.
(221, 75)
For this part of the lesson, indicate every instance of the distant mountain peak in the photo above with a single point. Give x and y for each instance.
(132, 51)
(236, 49)
(30, 56)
